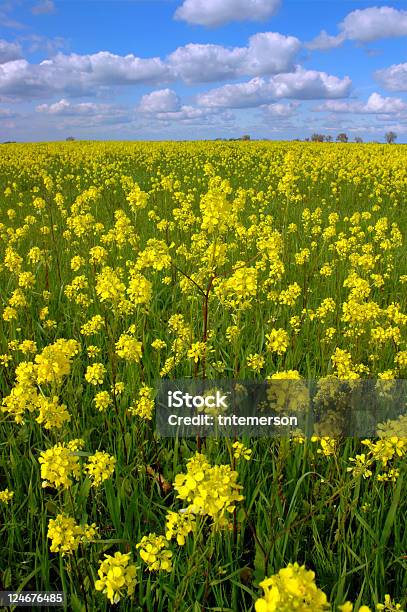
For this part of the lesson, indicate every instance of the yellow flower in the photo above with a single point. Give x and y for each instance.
(59, 464)
(66, 535)
(100, 467)
(179, 525)
(155, 553)
(211, 490)
(277, 341)
(117, 577)
(240, 450)
(292, 588)
(129, 348)
(95, 373)
(6, 496)
(144, 405)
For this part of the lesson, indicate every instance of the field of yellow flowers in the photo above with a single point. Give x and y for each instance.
(123, 264)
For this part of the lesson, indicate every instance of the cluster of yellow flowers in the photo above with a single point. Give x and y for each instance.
(66, 535)
(60, 464)
(155, 553)
(117, 577)
(293, 588)
(381, 452)
(49, 367)
(144, 405)
(6, 496)
(210, 490)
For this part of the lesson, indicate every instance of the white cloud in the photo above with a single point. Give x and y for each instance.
(81, 75)
(107, 68)
(9, 51)
(301, 85)
(205, 63)
(364, 25)
(159, 101)
(324, 41)
(43, 7)
(66, 108)
(373, 23)
(191, 115)
(393, 78)
(241, 95)
(77, 75)
(6, 112)
(164, 105)
(270, 53)
(376, 104)
(338, 106)
(279, 109)
(35, 43)
(266, 53)
(65, 115)
(219, 12)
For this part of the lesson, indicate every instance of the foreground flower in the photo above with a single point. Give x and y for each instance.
(6, 496)
(66, 534)
(293, 588)
(389, 605)
(117, 577)
(129, 348)
(100, 467)
(144, 405)
(155, 553)
(240, 450)
(59, 464)
(179, 526)
(95, 373)
(211, 490)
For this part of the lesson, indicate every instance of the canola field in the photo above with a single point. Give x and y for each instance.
(123, 264)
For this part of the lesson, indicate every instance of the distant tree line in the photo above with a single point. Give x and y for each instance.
(389, 137)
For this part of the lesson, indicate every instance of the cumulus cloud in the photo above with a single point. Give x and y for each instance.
(84, 114)
(219, 12)
(66, 108)
(324, 41)
(393, 78)
(191, 115)
(77, 75)
(159, 101)
(365, 25)
(205, 63)
(266, 53)
(107, 68)
(9, 51)
(301, 85)
(280, 110)
(376, 104)
(164, 105)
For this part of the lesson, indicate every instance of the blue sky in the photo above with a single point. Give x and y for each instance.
(188, 69)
